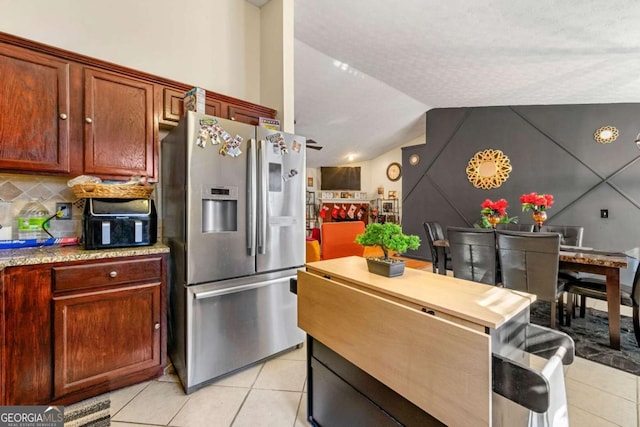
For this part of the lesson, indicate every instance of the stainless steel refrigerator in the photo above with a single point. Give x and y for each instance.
(232, 208)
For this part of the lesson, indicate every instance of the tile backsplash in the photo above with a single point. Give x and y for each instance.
(20, 189)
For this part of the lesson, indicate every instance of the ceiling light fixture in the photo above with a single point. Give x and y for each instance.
(637, 141)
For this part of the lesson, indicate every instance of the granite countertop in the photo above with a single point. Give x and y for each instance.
(51, 254)
(594, 257)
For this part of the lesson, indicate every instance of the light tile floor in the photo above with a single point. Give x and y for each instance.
(274, 393)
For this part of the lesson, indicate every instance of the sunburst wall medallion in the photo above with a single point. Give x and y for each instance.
(488, 169)
(606, 134)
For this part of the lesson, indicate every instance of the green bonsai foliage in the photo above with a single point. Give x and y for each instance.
(388, 236)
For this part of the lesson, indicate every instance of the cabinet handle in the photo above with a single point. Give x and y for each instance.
(113, 274)
(156, 326)
(63, 116)
(88, 120)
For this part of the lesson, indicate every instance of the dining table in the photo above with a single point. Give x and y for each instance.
(581, 260)
(604, 263)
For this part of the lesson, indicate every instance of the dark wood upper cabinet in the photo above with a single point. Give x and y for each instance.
(119, 133)
(66, 114)
(34, 112)
(245, 115)
(173, 107)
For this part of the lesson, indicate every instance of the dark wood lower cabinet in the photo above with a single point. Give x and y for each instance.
(27, 361)
(100, 337)
(80, 341)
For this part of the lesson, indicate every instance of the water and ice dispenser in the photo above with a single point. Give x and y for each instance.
(219, 209)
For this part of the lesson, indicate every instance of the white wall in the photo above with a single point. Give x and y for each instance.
(214, 44)
(276, 65)
(374, 173)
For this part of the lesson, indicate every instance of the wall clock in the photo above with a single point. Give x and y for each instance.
(394, 171)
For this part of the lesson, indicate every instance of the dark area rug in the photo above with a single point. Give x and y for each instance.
(591, 336)
(93, 412)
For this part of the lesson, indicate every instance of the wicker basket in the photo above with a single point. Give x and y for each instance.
(111, 191)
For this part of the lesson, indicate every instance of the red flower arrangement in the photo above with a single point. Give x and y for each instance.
(497, 208)
(536, 202)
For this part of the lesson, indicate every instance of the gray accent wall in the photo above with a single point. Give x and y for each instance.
(551, 149)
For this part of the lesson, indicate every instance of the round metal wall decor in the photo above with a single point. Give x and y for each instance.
(606, 134)
(488, 169)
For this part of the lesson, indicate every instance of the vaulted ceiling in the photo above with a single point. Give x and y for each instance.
(366, 71)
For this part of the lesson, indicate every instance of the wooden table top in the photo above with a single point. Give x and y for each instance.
(481, 304)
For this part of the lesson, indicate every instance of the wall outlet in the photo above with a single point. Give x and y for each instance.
(65, 208)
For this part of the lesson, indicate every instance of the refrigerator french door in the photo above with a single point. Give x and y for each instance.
(235, 225)
(251, 206)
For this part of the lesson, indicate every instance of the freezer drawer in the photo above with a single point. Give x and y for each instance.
(230, 328)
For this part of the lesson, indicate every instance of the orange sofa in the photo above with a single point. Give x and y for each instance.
(337, 239)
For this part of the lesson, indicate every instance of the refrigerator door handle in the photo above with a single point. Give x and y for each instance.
(262, 198)
(252, 191)
(234, 289)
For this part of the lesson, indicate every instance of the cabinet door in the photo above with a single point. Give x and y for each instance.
(173, 107)
(119, 133)
(103, 336)
(25, 331)
(244, 115)
(34, 112)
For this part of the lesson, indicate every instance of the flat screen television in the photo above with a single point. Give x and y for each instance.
(340, 178)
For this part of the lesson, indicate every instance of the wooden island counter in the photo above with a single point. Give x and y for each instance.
(415, 349)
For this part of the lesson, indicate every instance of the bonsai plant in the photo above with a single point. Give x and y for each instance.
(388, 236)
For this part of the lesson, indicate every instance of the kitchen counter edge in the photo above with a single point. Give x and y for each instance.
(53, 254)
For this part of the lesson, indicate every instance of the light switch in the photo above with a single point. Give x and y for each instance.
(604, 213)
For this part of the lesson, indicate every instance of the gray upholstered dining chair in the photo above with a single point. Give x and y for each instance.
(435, 232)
(593, 286)
(570, 235)
(515, 227)
(473, 254)
(529, 263)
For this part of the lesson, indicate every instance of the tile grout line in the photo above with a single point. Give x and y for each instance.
(246, 396)
(128, 401)
(607, 392)
(180, 409)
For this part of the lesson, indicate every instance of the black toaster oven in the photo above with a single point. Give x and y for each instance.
(119, 223)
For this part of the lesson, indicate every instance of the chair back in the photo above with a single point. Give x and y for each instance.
(632, 275)
(434, 232)
(515, 227)
(473, 254)
(529, 262)
(338, 239)
(571, 235)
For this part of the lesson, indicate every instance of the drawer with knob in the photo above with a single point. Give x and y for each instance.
(105, 274)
